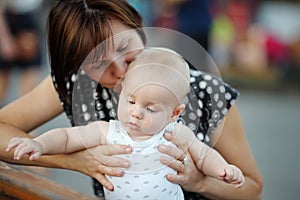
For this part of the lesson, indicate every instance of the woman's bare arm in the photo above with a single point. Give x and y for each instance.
(38, 107)
(27, 113)
(233, 145)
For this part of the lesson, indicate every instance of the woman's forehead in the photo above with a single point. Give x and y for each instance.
(121, 36)
(110, 46)
(120, 30)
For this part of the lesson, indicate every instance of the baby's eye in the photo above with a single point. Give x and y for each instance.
(131, 102)
(151, 109)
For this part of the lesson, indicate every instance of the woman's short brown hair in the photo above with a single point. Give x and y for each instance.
(75, 27)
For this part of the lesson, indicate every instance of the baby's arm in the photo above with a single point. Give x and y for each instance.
(61, 140)
(209, 161)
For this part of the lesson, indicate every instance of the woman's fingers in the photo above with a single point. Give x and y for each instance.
(110, 171)
(180, 142)
(177, 166)
(104, 154)
(103, 160)
(108, 163)
(172, 163)
(188, 176)
(172, 151)
(104, 181)
(114, 149)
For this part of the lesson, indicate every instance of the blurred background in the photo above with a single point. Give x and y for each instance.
(256, 46)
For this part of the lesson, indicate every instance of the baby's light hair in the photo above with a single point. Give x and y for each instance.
(172, 71)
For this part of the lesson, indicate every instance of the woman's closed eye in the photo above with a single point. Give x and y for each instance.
(100, 65)
(122, 48)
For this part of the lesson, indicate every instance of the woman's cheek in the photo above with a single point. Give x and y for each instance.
(122, 109)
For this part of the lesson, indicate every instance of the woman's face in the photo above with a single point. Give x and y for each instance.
(111, 69)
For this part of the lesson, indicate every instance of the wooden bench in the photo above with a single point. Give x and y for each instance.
(16, 184)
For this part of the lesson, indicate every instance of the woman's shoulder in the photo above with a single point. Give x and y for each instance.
(212, 89)
(210, 82)
(207, 103)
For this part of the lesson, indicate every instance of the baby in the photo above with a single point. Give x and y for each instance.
(150, 102)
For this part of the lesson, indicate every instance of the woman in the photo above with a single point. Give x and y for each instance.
(74, 28)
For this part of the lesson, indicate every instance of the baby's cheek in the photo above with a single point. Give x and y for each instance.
(156, 124)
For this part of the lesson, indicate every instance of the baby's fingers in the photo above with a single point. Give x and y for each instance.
(229, 174)
(241, 182)
(21, 150)
(34, 156)
(13, 143)
(235, 176)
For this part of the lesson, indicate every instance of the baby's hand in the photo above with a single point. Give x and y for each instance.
(24, 146)
(233, 175)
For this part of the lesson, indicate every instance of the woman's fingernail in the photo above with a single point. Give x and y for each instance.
(165, 160)
(162, 147)
(126, 164)
(168, 134)
(119, 172)
(169, 177)
(128, 149)
(111, 188)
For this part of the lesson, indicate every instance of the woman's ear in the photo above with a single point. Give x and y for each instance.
(176, 112)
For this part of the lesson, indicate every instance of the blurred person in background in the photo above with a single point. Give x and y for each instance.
(190, 17)
(20, 45)
(221, 36)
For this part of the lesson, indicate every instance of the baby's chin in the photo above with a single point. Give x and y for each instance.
(139, 136)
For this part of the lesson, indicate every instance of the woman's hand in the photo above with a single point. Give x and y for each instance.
(99, 161)
(188, 175)
(230, 141)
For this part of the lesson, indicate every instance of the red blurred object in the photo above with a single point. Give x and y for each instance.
(275, 49)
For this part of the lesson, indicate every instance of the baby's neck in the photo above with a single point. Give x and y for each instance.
(139, 138)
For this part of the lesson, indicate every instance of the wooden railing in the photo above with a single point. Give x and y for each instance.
(16, 184)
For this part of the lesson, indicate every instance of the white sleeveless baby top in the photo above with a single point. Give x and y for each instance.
(145, 179)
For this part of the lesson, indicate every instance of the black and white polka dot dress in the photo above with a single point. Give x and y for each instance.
(206, 105)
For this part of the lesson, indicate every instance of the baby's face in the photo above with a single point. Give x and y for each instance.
(145, 108)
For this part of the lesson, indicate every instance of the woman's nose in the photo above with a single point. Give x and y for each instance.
(120, 67)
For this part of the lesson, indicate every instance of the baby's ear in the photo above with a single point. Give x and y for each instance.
(176, 112)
